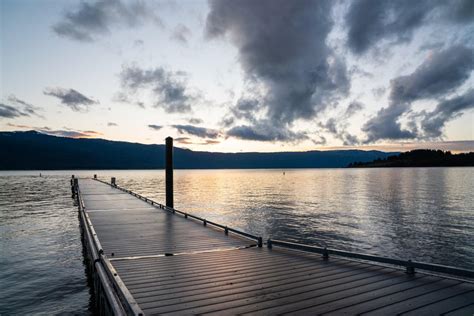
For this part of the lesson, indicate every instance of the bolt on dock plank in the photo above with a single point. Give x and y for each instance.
(156, 260)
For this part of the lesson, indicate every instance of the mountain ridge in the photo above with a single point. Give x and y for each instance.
(420, 158)
(32, 150)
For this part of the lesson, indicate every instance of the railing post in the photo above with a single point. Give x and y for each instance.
(269, 244)
(260, 242)
(169, 172)
(112, 181)
(325, 254)
(95, 176)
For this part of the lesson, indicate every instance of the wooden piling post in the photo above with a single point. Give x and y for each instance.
(73, 191)
(169, 172)
(75, 187)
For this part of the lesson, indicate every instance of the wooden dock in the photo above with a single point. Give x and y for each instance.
(150, 259)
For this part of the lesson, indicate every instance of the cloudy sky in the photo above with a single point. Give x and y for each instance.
(242, 75)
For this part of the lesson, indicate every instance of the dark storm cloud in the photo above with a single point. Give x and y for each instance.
(370, 22)
(385, 124)
(330, 126)
(122, 97)
(195, 120)
(357, 71)
(7, 111)
(89, 20)
(169, 88)
(189, 141)
(245, 108)
(433, 122)
(353, 108)
(183, 140)
(18, 108)
(71, 98)
(460, 11)
(181, 33)
(155, 127)
(338, 126)
(290, 61)
(439, 75)
(197, 131)
(265, 131)
(30, 107)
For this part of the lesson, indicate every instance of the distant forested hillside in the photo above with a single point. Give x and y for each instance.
(36, 151)
(421, 158)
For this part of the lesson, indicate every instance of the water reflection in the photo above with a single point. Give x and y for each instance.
(424, 214)
(41, 253)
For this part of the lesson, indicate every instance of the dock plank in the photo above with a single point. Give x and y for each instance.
(444, 306)
(425, 299)
(462, 311)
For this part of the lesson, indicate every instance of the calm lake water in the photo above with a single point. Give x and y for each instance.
(424, 214)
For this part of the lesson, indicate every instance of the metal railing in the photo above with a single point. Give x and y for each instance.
(111, 283)
(409, 265)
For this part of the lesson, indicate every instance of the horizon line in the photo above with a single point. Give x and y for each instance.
(456, 146)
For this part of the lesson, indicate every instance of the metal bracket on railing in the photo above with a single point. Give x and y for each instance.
(269, 243)
(260, 242)
(325, 254)
(226, 230)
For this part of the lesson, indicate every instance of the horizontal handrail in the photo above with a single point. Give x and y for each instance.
(227, 229)
(408, 264)
(107, 286)
(105, 269)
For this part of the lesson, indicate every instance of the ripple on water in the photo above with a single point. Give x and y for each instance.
(42, 269)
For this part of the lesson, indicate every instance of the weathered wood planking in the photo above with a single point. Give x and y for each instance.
(214, 273)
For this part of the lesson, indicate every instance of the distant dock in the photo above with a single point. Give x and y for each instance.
(147, 258)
